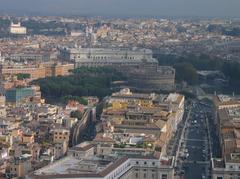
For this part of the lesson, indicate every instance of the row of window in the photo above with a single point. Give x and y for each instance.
(59, 137)
(145, 163)
(231, 177)
(164, 176)
(119, 171)
(60, 133)
(233, 167)
(104, 57)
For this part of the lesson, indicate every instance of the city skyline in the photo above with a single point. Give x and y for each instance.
(119, 89)
(125, 8)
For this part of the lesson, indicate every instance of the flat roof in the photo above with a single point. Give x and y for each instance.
(70, 167)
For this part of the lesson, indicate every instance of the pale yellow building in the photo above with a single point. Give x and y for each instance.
(60, 135)
(20, 166)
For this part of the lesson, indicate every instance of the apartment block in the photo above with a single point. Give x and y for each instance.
(138, 120)
(228, 125)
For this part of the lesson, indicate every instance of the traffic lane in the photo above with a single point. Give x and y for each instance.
(194, 171)
(196, 130)
(196, 151)
(196, 133)
(196, 145)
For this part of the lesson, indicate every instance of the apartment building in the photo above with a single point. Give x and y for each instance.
(151, 119)
(36, 71)
(228, 124)
(60, 135)
(20, 166)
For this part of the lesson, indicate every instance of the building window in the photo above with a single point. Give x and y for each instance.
(145, 163)
(153, 163)
(136, 175)
(137, 162)
(164, 176)
(153, 176)
(144, 175)
(219, 177)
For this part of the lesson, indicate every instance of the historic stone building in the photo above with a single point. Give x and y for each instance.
(138, 65)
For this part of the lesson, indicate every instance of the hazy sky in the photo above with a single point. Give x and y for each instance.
(212, 8)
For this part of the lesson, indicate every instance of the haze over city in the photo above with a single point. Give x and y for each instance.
(119, 89)
(123, 8)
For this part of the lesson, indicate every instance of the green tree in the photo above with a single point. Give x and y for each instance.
(76, 114)
(83, 82)
(75, 98)
(186, 72)
(22, 76)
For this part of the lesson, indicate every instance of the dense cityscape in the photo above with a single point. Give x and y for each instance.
(127, 98)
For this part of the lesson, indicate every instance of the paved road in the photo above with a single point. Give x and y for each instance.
(80, 127)
(194, 155)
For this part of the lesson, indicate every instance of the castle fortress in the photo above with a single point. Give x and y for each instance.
(137, 64)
